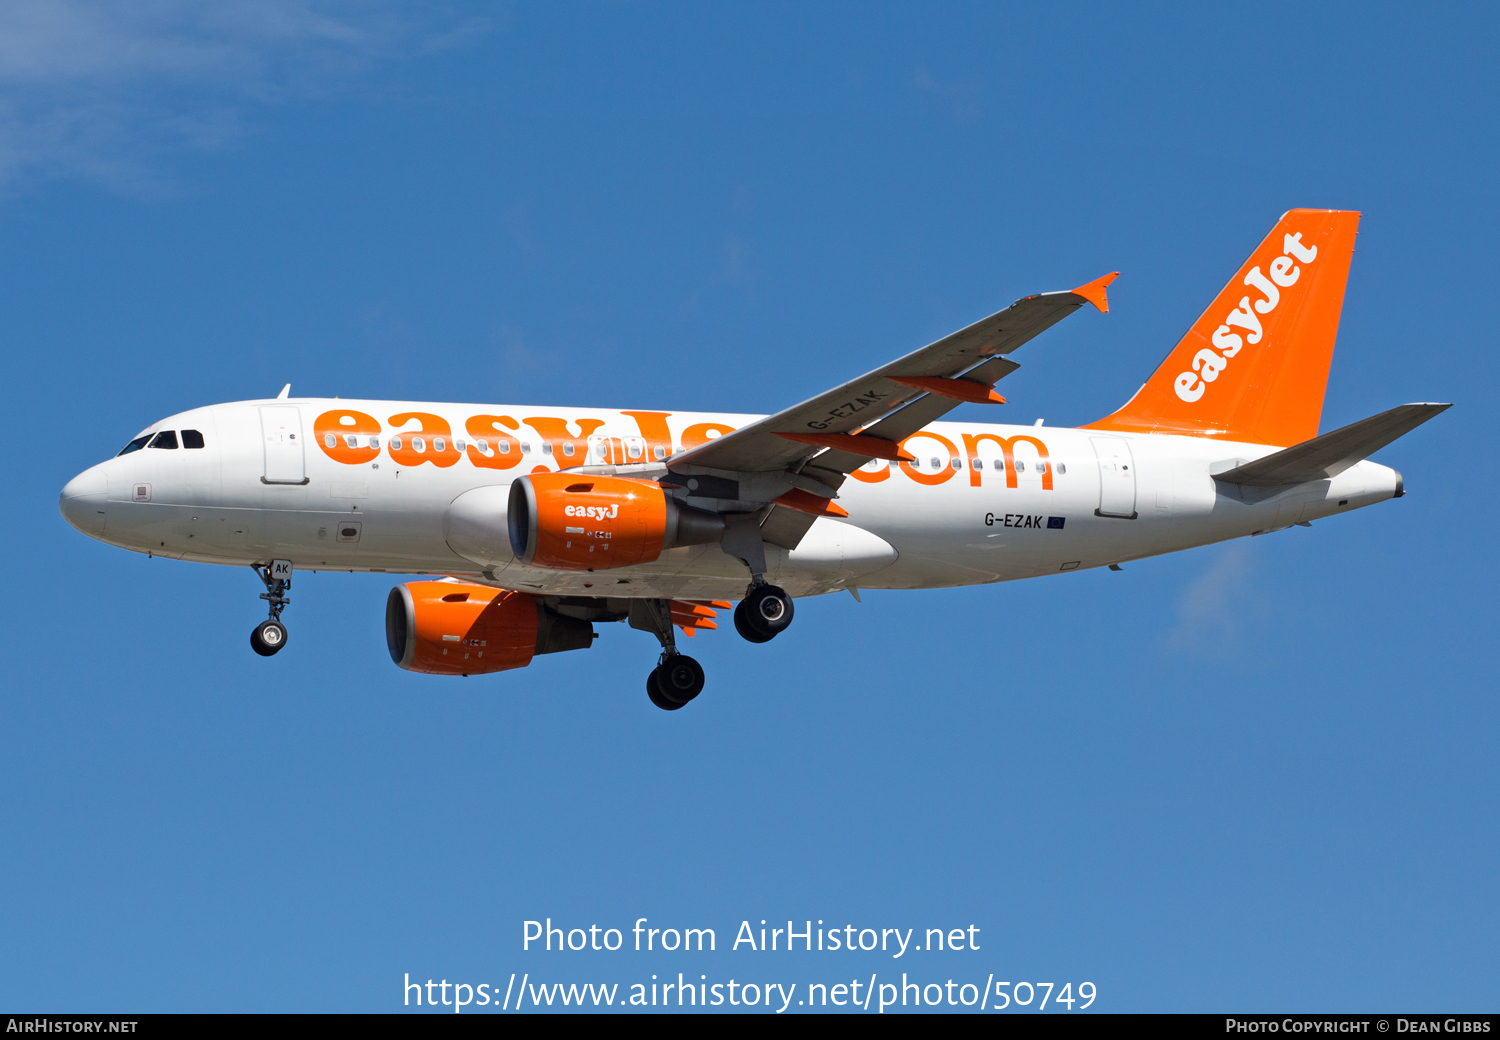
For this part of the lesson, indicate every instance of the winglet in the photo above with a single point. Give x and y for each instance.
(285, 391)
(1094, 291)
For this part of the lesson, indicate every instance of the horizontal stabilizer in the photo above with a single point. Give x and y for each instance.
(1332, 453)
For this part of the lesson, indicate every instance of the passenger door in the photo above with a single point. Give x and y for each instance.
(1116, 478)
(281, 427)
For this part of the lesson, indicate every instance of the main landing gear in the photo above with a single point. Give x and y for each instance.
(677, 678)
(763, 614)
(270, 636)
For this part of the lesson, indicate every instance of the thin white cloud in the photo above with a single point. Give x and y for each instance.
(1215, 609)
(102, 91)
(962, 96)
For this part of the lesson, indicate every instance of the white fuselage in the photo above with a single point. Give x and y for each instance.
(1064, 499)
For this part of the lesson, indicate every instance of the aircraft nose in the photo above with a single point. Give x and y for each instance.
(83, 501)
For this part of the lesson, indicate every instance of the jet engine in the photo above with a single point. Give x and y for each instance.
(454, 628)
(585, 523)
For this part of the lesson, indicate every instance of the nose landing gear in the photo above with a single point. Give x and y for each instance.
(270, 636)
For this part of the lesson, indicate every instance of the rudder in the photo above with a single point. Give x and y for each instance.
(1255, 365)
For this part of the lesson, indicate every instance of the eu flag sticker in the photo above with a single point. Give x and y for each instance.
(1054, 523)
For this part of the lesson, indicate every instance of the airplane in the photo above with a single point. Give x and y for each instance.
(534, 524)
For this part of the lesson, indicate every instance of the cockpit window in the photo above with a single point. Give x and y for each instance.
(135, 445)
(192, 439)
(164, 439)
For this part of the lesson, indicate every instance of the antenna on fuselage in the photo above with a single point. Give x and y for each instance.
(285, 392)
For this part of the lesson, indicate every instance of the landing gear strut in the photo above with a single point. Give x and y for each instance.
(270, 636)
(763, 614)
(677, 678)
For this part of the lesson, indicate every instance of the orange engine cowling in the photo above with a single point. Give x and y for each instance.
(573, 522)
(454, 628)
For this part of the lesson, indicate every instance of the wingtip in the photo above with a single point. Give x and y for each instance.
(1094, 291)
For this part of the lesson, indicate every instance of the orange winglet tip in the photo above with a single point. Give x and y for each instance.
(953, 389)
(1094, 291)
(855, 444)
(813, 505)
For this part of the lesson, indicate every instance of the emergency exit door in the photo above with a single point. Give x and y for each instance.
(281, 429)
(1116, 478)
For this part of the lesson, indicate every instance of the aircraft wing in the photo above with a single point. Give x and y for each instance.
(895, 400)
(800, 456)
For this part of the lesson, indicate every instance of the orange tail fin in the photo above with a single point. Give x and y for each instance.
(1255, 365)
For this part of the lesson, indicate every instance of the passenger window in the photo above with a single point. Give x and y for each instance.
(504, 447)
(1041, 467)
(192, 439)
(978, 464)
(936, 464)
(135, 445)
(165, 439)
(958, 463)
(375, 442)
(525, 447)
(439, 445)
(568, 450)
(661, 452)
(1020, 467)
(547, 448)
(1062, 468)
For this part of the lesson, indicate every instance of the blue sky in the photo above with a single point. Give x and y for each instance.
(1259, 776)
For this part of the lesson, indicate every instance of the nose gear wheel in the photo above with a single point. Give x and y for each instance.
(268, 637)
